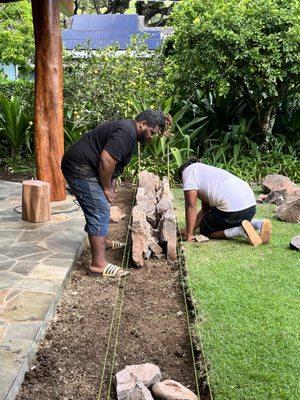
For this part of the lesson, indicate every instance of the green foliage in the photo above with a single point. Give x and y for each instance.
(16, 33)
(253, 169)
(14, 124)
(247, 312)
(250, 47)
(17, 165)
(100, 86)
(21, 89)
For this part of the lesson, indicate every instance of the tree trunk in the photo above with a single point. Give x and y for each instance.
(267, 123)
(48, 113)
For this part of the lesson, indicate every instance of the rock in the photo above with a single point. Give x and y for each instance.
(277, 197)
(155, 248)
(149, 182)
(289, 210)
(261, 198)
(126, 380)
(141, 234)
(295, 243)
(201, 238)
(172, 390)
(168, 233)
(116, 214)
(164, 205)
(139, 392)
(277, 182)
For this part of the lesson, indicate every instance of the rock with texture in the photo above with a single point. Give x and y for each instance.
(261, 198)
(116, 214)
(149, 182)
(276, 197)
(126, 380)
(172, 390)
(141, 234)
(275, 183)
(168, 233)
(289, 210)
(295, 243)
(139, 392)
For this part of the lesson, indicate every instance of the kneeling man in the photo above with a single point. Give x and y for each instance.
(228, 205)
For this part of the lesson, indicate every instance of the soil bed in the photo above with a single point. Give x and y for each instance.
(153, 328)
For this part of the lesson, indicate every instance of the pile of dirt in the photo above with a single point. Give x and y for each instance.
(150, 326)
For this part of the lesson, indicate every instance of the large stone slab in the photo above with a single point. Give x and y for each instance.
(28, 306)
(289, 210)
(275, 182)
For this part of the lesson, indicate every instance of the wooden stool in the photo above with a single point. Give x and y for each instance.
(36, 201)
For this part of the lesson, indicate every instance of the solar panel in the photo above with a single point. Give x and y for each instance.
(105, 22)
(104, 30)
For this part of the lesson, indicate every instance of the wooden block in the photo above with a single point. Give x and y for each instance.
(36, 201)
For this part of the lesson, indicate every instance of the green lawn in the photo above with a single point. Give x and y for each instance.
(247, 301)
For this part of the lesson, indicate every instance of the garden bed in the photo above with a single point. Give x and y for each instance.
(153, 328)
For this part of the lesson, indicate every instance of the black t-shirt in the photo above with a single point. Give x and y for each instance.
(117, 138)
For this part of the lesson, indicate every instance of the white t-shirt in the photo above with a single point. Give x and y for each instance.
(218, 188)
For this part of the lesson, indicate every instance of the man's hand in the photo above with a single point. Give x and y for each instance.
(183, 233)
(110, 194)
(191, 238)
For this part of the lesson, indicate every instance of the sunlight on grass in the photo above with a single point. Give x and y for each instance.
(248, 301)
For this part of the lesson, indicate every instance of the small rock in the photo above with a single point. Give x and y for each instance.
(261, 198)
(139, 392)
(295, 243)
(126, 379)
(201, 238)
(277, 197)
(155, 248)
(172, 390)
(274, 182)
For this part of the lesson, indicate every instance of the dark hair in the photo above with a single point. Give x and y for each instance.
(153, 118)
(189, 162)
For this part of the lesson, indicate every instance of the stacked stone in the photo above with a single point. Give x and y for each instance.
(153, 220)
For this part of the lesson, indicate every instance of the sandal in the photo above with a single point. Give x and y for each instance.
(252, 235)
(115, 245)
(112, 271)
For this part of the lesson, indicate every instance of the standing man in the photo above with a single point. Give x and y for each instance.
(91, 166)
(228, 205)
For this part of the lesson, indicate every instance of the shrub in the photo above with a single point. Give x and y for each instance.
(100, 86)
(250, 47)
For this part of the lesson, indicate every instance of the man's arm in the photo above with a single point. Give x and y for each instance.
(106, 169)
(204, 209)
(190, 197)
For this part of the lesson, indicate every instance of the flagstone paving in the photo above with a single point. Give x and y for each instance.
(35, 263)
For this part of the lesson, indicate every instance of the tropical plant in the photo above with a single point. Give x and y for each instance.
(249, 47)
(15, 125)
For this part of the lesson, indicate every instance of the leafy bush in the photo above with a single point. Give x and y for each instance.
(14, 124)
(101, 85)
(249, 47)
(255, 169)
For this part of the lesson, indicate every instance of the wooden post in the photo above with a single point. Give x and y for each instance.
(48, 114)
(35, 201)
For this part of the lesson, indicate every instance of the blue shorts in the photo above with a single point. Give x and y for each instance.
(94, 204)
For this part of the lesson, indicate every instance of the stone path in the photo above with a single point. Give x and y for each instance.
(35, 262)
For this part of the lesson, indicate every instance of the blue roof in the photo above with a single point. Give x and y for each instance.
(99, 31)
